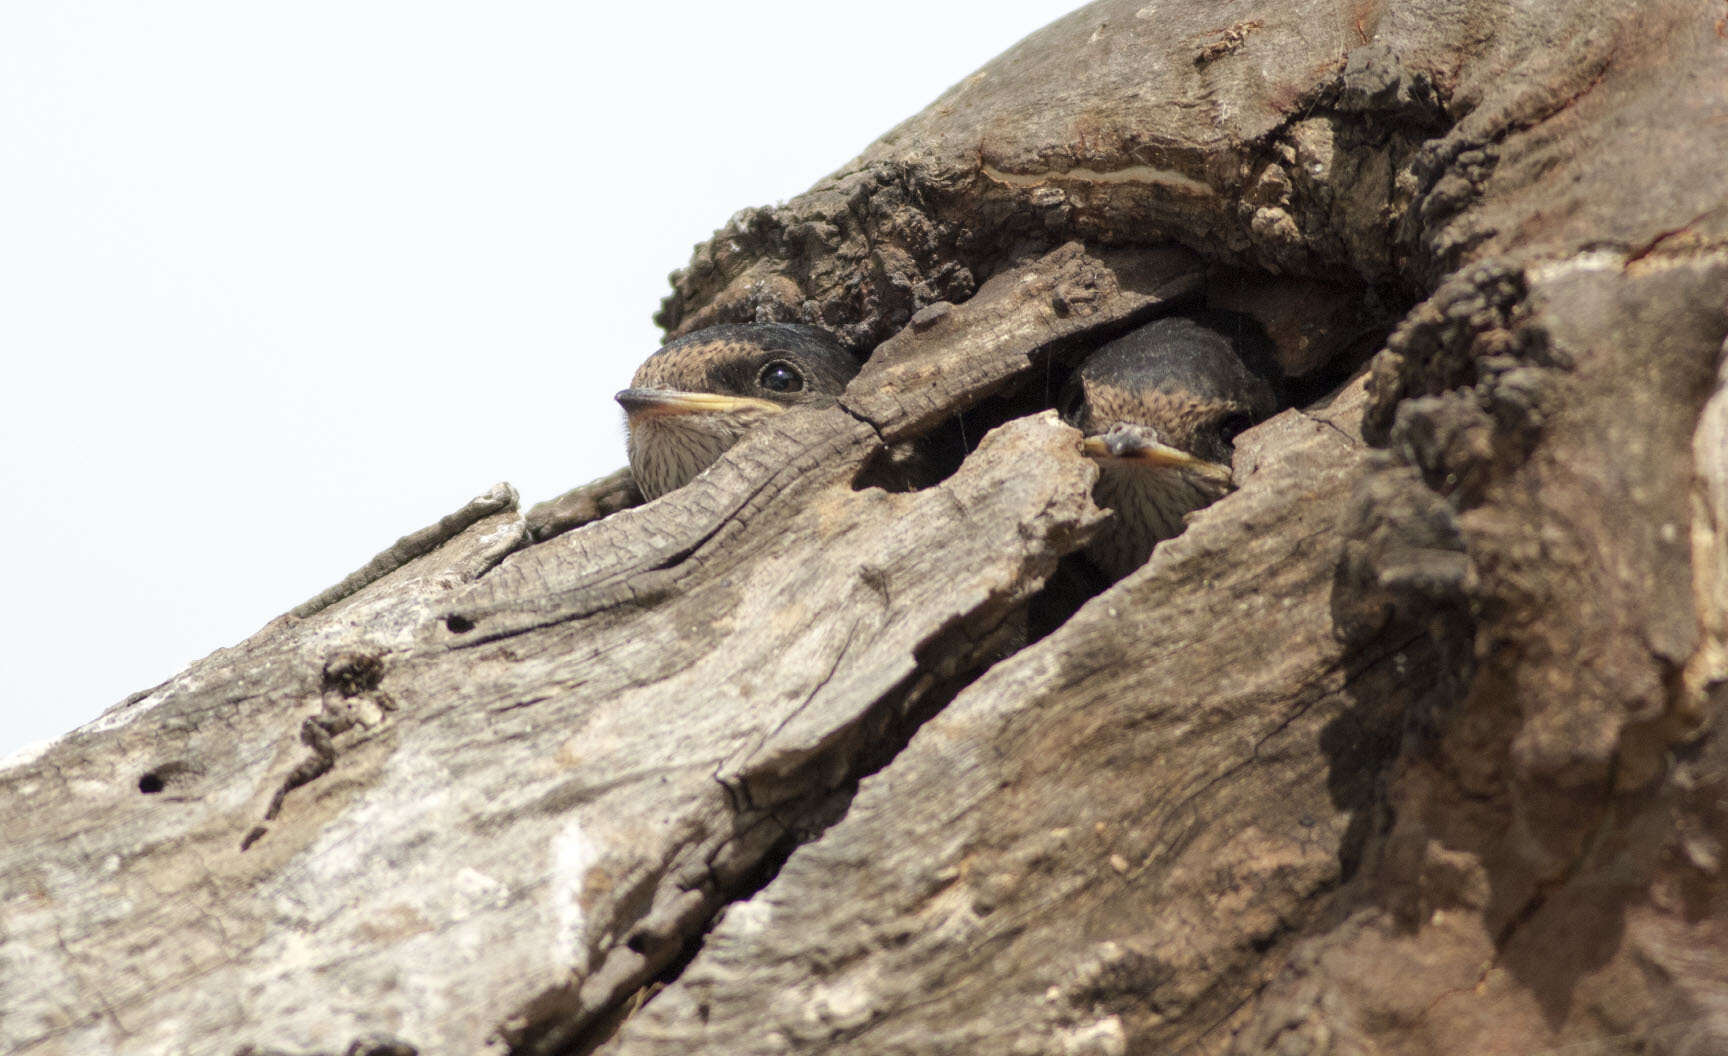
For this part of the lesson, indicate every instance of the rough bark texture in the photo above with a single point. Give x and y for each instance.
(1411, 745)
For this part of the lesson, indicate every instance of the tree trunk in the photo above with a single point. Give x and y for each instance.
(1411, 745)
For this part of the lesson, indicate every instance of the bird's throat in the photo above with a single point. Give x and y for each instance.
(668, 451)
(1149, 503)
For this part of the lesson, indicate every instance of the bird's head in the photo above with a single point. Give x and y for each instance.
(1174, 393)
(1160, 408)
(699, 394)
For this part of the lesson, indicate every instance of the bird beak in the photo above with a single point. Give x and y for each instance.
(1131, 446)
(653, 403)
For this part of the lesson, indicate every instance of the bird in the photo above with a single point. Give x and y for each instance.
(1159, 409)
(697, 395)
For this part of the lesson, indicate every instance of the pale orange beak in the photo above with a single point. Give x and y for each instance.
(1151, 454)
(653, 403)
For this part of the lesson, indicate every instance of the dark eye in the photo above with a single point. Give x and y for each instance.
(1232, 424)
(780, 376)
(1068, 406)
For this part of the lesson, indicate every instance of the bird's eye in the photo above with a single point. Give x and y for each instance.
(1068, 406)
(780, 376)
(1232, 424)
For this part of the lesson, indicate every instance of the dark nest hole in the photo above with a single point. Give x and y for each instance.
(1322, 335)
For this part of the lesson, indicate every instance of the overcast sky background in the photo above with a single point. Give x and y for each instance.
(282, 282)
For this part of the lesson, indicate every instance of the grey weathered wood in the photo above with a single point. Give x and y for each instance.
(1409, 746)
(583, 505)
(483, 803)
(1042, 861)
(913, 380)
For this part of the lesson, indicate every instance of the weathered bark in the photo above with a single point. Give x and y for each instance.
(1410, 745)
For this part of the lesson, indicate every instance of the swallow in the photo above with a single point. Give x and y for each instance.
(1160, 409)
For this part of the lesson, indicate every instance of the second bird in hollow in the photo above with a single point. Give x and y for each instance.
(696, 396)
(1160, 408)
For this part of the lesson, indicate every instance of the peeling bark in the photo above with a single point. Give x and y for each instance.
(1411, 745)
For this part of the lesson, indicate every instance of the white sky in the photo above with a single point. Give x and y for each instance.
(282, 282)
